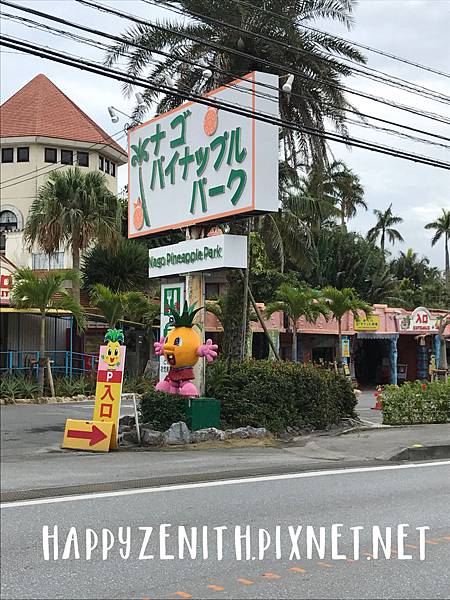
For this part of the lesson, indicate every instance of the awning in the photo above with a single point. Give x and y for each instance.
(366, 335)
(53, 312)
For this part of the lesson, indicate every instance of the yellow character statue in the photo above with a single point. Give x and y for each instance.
(182, 349)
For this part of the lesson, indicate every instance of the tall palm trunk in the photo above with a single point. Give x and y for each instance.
(343, 211)
(41, 372)
(76, 267)
(382, 241)
(294, 341)
(339, 353)
(447, 262)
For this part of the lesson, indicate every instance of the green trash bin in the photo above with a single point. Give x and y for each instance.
(202, 413)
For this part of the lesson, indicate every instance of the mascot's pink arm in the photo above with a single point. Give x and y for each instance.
(159, 346)
(208, 351)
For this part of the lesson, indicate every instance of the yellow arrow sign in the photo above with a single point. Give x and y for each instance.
(87, 435)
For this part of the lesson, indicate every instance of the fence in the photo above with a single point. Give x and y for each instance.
(64, 362)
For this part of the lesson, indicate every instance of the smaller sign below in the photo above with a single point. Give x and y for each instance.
(346, 347)
(367, 323)
(216, 252)
(87, 435)
(419, 320)
(172, 294)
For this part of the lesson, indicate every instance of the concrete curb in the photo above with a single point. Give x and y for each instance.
(46, 400)
(419, 452)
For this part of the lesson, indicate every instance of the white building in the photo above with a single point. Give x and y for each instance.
(41, 130)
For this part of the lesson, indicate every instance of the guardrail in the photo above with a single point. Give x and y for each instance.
(64, 362)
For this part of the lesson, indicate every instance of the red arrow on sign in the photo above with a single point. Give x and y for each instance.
(95, 436)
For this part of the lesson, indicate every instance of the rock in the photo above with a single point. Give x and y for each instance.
(150, 437)
(248, 432)
(130, 436)
(127, 420)
(205, 435)
(178, 433)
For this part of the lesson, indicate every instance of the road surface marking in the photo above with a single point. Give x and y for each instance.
(325, 565)
(367, 554)
(216, 588)
(245, 581)
(271, 576)
(297, 570)
(220, 483)
(446, 537)
(413, 546)
(432, 542)
(350, 560)
(182, 594)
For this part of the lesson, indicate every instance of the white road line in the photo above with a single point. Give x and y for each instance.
(190, 486)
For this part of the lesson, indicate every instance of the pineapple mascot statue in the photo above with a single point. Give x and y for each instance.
(182, 349)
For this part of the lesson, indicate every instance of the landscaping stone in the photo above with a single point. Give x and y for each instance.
(206, 435)
(248, 432)
(127, 420)
(150, 437)
(130, 436)
(177, 434)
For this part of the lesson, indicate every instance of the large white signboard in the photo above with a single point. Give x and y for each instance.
(172, 294)
(215, 252)
(199, 163)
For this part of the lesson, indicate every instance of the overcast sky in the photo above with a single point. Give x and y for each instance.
(414, 29)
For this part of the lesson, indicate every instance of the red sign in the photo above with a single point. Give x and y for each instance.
(5, 287)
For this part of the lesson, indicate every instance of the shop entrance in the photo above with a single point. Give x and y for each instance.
(372, 362)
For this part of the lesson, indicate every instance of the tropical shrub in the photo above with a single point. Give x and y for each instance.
(75, 386)
(18, 386)
(264, 394)
(416, 402)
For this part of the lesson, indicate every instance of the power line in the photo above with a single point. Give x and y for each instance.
(81, 39)
(91, 30)
(128, 16)
(106, 72)
(337, 37)
(385, 78)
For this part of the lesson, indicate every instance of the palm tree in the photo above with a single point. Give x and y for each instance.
(408, 265)
(340, 302)
(139, 157)
(316, 97)
(383, 226)
(45, 293)
(116, 306)
(442, 227)
(348, 191)
(74, 209)
(298, 302)
(123, 268)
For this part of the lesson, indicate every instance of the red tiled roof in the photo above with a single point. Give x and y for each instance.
(40, 108)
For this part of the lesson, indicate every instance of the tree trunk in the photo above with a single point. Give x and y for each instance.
(447, 263)
(382, 243)
(343, 224)
(339, 353)
(294, 341)
(41, 372)
(233, 342)
(76, 268)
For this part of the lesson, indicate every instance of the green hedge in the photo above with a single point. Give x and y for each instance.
(416, 402)
(264, 394)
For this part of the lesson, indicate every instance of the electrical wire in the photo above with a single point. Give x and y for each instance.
(128, 16)
(35, 173)
(91, 30)
(385, 79)
(337, 37)
(232, 108)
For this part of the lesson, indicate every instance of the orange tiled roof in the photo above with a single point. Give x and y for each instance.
(40, 108)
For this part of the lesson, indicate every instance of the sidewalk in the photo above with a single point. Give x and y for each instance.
(28, 467)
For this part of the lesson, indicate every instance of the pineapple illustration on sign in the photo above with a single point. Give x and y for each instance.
(113, 339)
(140, 214)
(211, 120)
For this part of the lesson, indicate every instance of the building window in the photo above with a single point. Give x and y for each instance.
(101, 164)
(50, 155)
(2, 243)
(113, 169)
(83, 159)
(7, 155)
(23, 154)
(42, 261)
(8, 221)
(106, 165)
(67, 157)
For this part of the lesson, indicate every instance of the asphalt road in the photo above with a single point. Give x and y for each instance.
(418, 495)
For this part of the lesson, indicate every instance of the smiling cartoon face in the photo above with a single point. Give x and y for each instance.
(112, 356)
(180, 349)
